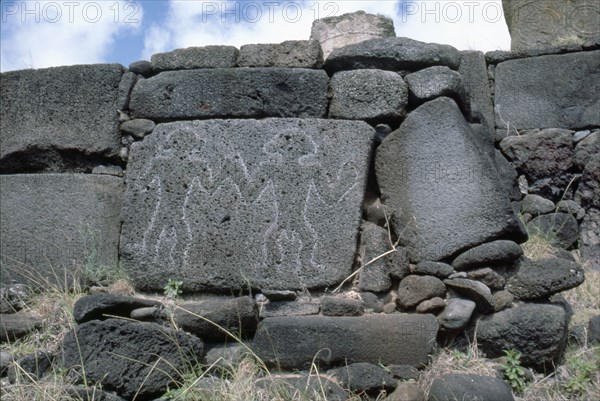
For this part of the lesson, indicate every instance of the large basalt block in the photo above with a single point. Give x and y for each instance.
(394, 54)
(73, 108)
(231, 92)
(55, 226)
(297, 342)
(535, 24)
(289, 54)
(548, 91)
(223, 204)
(444, 190)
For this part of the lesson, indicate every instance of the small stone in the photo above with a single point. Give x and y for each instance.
(580, 135)
(146, 314)
(437, 269)
(475, 290)
(488, 277)
(398, 264)
(457, 386)
(560, 229)
(404, 372)
(372, 302)
(142, 67)
(335, 306)
(389, 308)
(105, 306)
(536, 205)
(586, 149)
(594, 330)
(414, 289)
(502, 300)
(361, 376)
(570, 206)
(280, 295)
(543, 278)
(493, 253)
(437, 81)
(432, 305)
(31, 367)
(138, 128)
(457, 314)
(115, 171)
(406, 392)
(284, 308)
(16, 325)
(225, 356)
(378, 213)
(196, 57)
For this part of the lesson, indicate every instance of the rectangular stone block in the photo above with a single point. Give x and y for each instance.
(290, 54)
(554, 91)
(235, 92)
(296, 342)
(55, 226)
(72, 108)
(228, 204)
(196, 57)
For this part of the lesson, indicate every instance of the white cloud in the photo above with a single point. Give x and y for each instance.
(38, 34)
(463, 24)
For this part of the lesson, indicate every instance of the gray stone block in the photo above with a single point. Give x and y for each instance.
(535, 280)
(374, 242)
(195, 57)
(339, 31)
(474, 73)
(55, 226)
(399, 339)
(444, 189)
(394, 54)
(226, 204)
(458, 386)
(372, 95)
(224, 92)
(290, 54)
(66, 108)
(548, 91)
(437, 81)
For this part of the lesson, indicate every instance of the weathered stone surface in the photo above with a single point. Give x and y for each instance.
(224, 92)
(594, 330)
(502, 300)
(589, 239)
(138, 128)
(394, 54)
(47, 112)
(6, 359)
(399, 263)
(373, 243)
(536, 205)
(404, 372)
(196, 57)
(493, 253)
(538, 331)
(560, 229)
(16, 325)
(364, 377)
(334, 306)
(225, 356)
(488, 277)
(544, 278)
(339, 31)
(586, 149)
(239, 316)
(548, 91)
(437, 269)
(545, 157)
(142, 67)
(406, 391)
(509, 178)
(386, 339)
(432, 305)
(14, 297)
(130, 358)
(31, 368)
(457, 314)
(458, 386)
(98, 306)
(414, 289)
(372, 95)
(274, 203)
(372, 302)
(449, 205)
(474, 73)
(535, 24)
(572, 207)
(478, 292)
(588, 190)
(434, 82)
(280, 295)
(290, 54)
(54, 225)
(282, 308)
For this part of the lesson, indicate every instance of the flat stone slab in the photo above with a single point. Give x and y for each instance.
(223, 204)
(289, 54)
(72, 108)
(231, 92)
(394, 54)
(54, 226)
(444, 190)
(558, 91)
(196, 57)
(295, 342)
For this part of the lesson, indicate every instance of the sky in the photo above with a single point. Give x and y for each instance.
(47, 33)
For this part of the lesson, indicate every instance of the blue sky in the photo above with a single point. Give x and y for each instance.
(46, 33)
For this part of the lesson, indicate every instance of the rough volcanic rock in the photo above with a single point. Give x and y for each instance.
(536, 205)
(586, 149)
(588, 190)
(289, 54)
(104, 306)
(364, 377)
(488, 277)
(560, 229)
(231, 92)
(493, 253)
(414, 289)
(208, 319)
(373, 243)
(371, 95)
(16, 325)
(387, 339)
(192, 58)
(434, 82)
(273, 203)
(538, 331)
(450, 205)
(132, 359)
(437, 269)
(458, 386)
(589, 239)
(138, 128)
(544, 278)
(475, 290)
(457, 314)
(334, 306)
(49, 234)
(395, 54)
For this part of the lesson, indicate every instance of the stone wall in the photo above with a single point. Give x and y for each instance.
(382, 190)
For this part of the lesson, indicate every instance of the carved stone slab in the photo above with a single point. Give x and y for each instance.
(226, 204)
